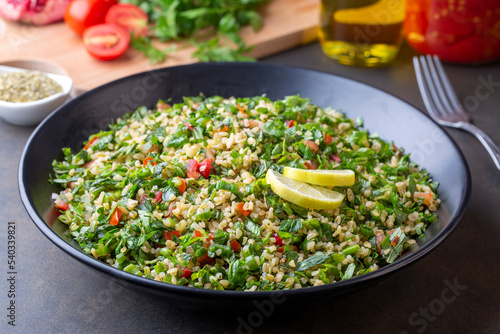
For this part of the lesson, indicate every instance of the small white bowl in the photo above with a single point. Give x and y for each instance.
(33, 112)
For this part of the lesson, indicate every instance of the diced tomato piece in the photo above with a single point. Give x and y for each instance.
(168, 235)
(240, 208)
(146, 160)
(204, 259)
(189, 126)
(198, 234)
(336, 158)
(90, 143)
(171, 208)
(327, 138)
(211, 236)
(158, 196)
(253, 124)
(395, 241)
(184, 272)
(291, 123)
(59, 203)
(279, 241)
(281, 249)
(162, 106)
(235, 245)
(241, 110)
(311, 164)
(312, 145)
(183, 186)
(205, 167)
(428, 199)
(192, 169)
(115, 217)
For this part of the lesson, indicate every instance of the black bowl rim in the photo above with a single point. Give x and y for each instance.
(230, 294)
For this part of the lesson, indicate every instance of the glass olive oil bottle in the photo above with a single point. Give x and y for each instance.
(362, 32)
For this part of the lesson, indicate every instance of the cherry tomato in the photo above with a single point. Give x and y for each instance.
(106, 41)
(130, 17)
(82, 14)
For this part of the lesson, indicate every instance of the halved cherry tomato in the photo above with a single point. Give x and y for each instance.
(61, 204)
(90, 143)
(82, 14)
(192, 169)
(244, 212)
(130, 17)
(205, 167)
(235, 245)
(106, 41)
(115, 217)
(168, 235)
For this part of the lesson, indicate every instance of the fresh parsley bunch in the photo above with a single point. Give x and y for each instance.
(202, 23)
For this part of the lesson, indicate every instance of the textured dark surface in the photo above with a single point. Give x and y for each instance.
(56, 294)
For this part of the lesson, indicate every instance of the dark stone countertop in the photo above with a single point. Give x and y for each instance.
(454, 289)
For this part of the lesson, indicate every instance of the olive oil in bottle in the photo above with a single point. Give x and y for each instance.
(361, 32)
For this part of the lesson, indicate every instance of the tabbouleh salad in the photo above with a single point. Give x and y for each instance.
(178, 194)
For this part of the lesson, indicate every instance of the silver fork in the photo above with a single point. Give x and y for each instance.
(442, 103)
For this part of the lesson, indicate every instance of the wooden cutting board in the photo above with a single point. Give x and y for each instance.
(287, 23)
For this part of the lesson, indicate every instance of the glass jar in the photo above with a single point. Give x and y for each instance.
(460, 31)
(362, 32)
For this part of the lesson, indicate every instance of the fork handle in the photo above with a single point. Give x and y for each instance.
(490, 146)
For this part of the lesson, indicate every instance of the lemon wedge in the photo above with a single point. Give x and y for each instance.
(330, 178)
(302, 194)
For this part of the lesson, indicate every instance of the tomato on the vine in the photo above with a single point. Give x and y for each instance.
(82, 14)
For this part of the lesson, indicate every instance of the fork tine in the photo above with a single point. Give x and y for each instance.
(424, 90)
(441, 110)
(438, 82)
(450, 93)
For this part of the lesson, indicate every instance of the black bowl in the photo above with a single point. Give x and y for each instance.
(383, 113)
